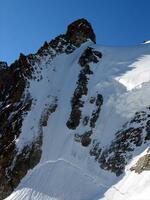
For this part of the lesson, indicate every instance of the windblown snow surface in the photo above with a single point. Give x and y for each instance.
(66, 170)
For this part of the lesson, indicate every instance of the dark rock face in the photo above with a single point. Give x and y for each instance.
(147, 130)
(88, 56)
(15, 102)
(84, 139)
(95, 150)
(3, 66)
(61, 45)
(14, 105)
(79, 31)
(47, 112)
(116, 156)
(96, 112)
(90, 122)
(133, 134)
(22, 162)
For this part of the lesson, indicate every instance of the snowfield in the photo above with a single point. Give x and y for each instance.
(66, 170)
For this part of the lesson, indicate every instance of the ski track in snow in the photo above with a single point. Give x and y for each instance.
(61, 160)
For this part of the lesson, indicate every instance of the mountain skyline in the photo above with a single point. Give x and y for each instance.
(26, 25)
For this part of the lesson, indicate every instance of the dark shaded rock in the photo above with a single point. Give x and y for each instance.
(75, 117)
(62, 45)
(86, 58)
(95, 150)
(13, 107)
(43, 48)
(115, 163)
(139, 117)
(115, 157)
(47, 112)
(85, 120)
(90, 55)
(10, 130)
(92, 100)
(27, 159)
(120, 151)
(96, 112)
(3, 66)
(79, 31)
(134, 133)
(84, 139)
(147, 130)
(10, 175)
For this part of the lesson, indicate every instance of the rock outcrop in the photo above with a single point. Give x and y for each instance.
(79, 32)
(88, 56)
(143, 164)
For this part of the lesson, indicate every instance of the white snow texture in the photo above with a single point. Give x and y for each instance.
(66, 170)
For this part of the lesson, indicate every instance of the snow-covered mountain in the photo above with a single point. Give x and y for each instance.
(75, 121)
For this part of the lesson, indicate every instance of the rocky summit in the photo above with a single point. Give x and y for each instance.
(75, 121)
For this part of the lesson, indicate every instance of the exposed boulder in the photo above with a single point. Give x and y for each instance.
(84, 139)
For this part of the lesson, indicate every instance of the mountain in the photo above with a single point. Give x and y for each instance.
(75, 121)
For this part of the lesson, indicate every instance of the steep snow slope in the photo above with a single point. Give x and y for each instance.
(75, 121)
(66, 170)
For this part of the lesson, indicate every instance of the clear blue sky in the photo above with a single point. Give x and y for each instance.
(26, 24)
